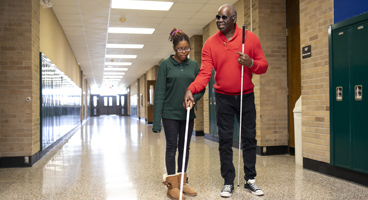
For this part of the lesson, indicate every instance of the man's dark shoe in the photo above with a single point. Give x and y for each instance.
(227, 191)
(251, 186)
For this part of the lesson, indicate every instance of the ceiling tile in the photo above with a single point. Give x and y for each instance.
(86, 29)
(95, 3)
(70, 23)
(186, 7)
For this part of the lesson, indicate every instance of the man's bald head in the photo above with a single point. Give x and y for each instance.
(232, 8)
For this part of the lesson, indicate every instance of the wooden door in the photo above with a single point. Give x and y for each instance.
(294, 63)
(151, 85)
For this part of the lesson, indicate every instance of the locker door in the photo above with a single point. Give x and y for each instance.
(358, 98)
(340, 93)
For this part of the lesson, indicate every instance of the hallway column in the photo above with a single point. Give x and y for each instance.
(315, 17)
(19, 79)
(269, 24)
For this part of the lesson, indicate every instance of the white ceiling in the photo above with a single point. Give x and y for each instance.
(85, 23)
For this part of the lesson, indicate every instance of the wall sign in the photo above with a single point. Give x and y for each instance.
(307, 52)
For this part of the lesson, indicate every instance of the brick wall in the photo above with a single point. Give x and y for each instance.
(315, 17)
(208, 30)
(35, 76)
(19, 78)
(269, 24)
(196, 54)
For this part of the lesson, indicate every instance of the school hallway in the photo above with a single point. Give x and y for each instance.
(115, 157)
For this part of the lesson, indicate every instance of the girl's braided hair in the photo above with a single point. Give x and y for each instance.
(177, 35)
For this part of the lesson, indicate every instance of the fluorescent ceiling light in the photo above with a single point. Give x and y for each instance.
(131, 30)
(125, 46)
(116, 69)
(118, 63)
(114, 73)
(113, 77)
(142, 5)
(121, 56)
(111, 80)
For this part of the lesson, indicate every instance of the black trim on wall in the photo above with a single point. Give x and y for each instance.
(198, 133)
(292, 151)
(19, 161)
(326, 168)
(272, 150)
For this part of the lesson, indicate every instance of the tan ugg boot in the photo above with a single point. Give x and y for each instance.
(173, 187)
(186, 189)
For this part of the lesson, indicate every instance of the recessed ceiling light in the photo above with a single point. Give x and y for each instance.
(121, 56)
(142, 5)
(125, 46)
(131, 30)
(118, 63)
(116, 69)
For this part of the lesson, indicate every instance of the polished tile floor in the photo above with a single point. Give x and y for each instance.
(113, 157)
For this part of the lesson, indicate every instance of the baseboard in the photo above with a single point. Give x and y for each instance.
(338, 172)
(292, 151)
(272, 150)
(29, 161)
(198, 133)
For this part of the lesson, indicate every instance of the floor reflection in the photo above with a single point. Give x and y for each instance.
(112, 157)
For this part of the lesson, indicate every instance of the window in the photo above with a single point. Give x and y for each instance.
(94, 101)
(122, 98)
(110, 101)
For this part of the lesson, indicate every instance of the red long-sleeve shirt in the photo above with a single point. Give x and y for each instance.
(221, 54)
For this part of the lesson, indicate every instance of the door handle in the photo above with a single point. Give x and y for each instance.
(339, 93)
(358, 92)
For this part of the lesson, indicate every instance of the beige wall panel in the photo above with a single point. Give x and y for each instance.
(55, 45)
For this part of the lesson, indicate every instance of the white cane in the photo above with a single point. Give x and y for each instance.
(184, 154)
(241, 105)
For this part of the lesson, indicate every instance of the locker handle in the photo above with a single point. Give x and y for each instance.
(358, 92)
(210, 100)
(339, 93)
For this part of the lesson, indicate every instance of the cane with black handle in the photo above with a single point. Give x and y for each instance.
(241, 105)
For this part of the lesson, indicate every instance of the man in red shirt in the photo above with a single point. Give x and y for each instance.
(223, 51)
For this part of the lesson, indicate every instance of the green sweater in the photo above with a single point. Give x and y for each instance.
(173, 79)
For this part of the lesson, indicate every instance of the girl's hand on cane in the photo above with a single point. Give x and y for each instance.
(188, 99)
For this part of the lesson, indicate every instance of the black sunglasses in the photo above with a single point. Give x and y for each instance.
(224, 17)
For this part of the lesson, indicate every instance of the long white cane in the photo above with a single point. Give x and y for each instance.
(184, 154)
(241, 105)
